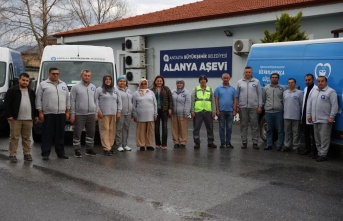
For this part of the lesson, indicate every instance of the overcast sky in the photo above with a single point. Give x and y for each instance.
(147, 6)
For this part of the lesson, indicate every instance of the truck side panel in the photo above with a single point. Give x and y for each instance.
(325, 58)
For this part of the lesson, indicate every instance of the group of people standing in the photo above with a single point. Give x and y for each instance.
(115, 106)
(151, 108)
(53, 105)
(287, 109)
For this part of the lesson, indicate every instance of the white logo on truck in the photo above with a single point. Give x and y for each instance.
(322, 70)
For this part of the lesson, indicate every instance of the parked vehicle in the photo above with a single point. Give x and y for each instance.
(71, 60)
(323, 57)
(11, 66)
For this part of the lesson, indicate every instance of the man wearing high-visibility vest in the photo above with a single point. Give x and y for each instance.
(203, 109)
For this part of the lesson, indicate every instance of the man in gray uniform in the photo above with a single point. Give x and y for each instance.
(292, 100)
(52, 103)
(83, 113)
(273, 105)
(321, 110)
(249, 106)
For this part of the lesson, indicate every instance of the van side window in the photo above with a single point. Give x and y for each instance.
(2, 73)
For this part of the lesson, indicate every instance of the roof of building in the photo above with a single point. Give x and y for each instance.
(197, 11)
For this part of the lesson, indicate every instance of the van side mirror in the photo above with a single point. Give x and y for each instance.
(33, 83)
(14, 81)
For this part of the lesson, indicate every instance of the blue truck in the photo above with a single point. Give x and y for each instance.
(296, 59)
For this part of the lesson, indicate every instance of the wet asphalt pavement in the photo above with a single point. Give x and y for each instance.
(173, 184)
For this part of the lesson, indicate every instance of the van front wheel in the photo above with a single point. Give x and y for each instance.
(37, 132)
(263, 129)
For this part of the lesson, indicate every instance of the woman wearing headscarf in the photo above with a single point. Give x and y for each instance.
(109, 107)
(144, 113)
(123, 123)
(164, 109)
(181, 111)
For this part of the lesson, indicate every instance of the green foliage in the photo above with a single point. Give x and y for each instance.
(287, 29)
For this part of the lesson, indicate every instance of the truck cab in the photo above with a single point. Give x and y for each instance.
(71, 60)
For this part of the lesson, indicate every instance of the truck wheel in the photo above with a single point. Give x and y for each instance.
(263, 129)
(4, 129)
(37, 132)
(37, 138)
(5, 132)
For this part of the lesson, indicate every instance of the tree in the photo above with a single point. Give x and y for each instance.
(287, 29)
(90, 12)
(31, 22)
(27, 21)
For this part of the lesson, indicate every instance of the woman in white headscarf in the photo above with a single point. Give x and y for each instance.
(144, 113)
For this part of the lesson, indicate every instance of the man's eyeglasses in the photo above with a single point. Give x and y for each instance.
(54, 73)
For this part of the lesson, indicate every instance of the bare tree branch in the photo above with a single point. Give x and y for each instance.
(27, 22)
(91, 12)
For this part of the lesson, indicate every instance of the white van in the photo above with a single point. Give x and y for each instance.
(71, 60)
(11, 66)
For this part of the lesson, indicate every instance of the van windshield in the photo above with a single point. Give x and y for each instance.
(2, 73)
(70, 71)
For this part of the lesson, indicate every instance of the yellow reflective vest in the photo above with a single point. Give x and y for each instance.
(203, 100)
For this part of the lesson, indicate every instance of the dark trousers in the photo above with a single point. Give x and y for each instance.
(53, 132)
(206, 117)
(87, 122)
(162, 116)
(310, 144)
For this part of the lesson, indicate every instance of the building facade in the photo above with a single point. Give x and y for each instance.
(177, 46)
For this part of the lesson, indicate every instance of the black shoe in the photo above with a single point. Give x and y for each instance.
(182, 146)
(285, 149)
(78, 154)
(150, 148)
(13, 159)
(278, 148)
(244, 146)
(91, 152)
(211, 145)
(176, 145)
(196, 146)
(46, 158)
(306, 152)
(113, 150)
(229, 146)
(27, 157)
(142, 148)
(267, 148)
(312, 155)
(107, 153)
(222, 146)
(315, 157)
(321, 159)
(63, 157)
(255, 146)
